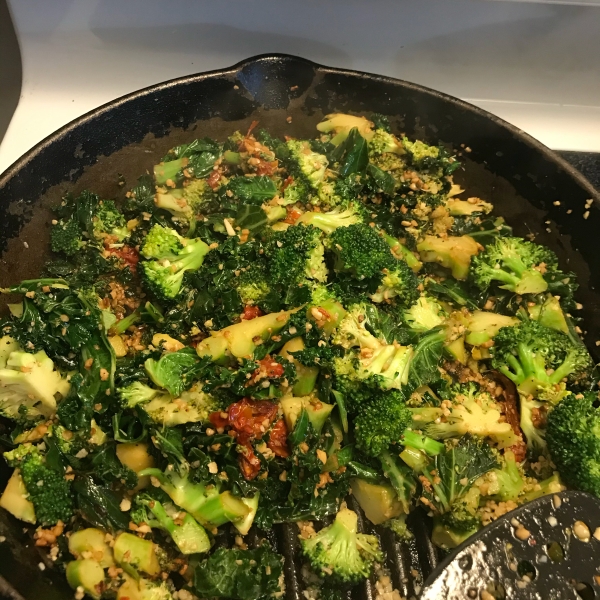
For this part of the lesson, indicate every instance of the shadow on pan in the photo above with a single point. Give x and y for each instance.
(535, 190)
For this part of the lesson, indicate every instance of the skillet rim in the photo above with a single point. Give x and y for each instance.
(89, 116)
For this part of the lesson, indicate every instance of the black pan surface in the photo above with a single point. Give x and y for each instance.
(535, 190)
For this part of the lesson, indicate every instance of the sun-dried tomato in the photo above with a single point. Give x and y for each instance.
(292, 215)
(251, 312)
(130, 256)
(278, 439)
(219, 419)
(248, 461)
(214, 179)
(251, 419)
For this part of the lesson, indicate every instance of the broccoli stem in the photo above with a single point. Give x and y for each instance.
(400, 478)
(221, 509)
(232, 158)
(121, 326)
(167, 171)
(422, 442)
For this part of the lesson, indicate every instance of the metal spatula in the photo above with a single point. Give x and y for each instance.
(548, 549)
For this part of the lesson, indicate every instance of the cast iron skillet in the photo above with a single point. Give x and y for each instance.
(533, 188)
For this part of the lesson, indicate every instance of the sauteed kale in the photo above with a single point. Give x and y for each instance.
(259, 329)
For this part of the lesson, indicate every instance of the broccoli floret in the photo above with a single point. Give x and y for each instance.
(352, 331)
(539, 358)
(424, 315)
(65, 237)
(169, 256)
(189, 536)
(573, 438)
(399, 284)
(419, 151)
(472, 411)
(296, 254)
(381, 423)
(383, 142)
(29, 385)
(514, 263)
(340, 553)
(252, 286)
(108, 221)
(296, 191)
(311, 166)
(330, 221)
(361, 251)
(48, 490)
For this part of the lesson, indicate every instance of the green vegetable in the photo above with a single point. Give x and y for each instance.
(52, 498)
(239, 574)
(341, 553)
(169, 256)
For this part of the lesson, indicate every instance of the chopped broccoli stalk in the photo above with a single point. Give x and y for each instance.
(428, 445)
(311, 165)
(472, 206)
(550, 314)
(330, 221)
(424, 315)
(240, 340)
(551, 485)
(169, 256)
(232, 158)
(400, 477)
(124, 324)
(340, 553)
(573, 438)
(453, 252)
(15, 499)
(482, 326)
(52, 499)
(189, 536)
(166, 173)
(532, 412)
(379, 501)
(515, 264)
(192, 406)
(341, 124)
(143, 589)
(29, 384)
(204, 503)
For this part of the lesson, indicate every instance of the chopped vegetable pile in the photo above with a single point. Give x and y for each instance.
(268, 331)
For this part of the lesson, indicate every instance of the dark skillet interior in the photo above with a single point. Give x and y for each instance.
(123, 139)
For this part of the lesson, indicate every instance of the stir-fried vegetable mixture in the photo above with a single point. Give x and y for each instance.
(261, 329)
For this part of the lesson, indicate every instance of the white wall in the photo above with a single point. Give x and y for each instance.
(534, 64)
